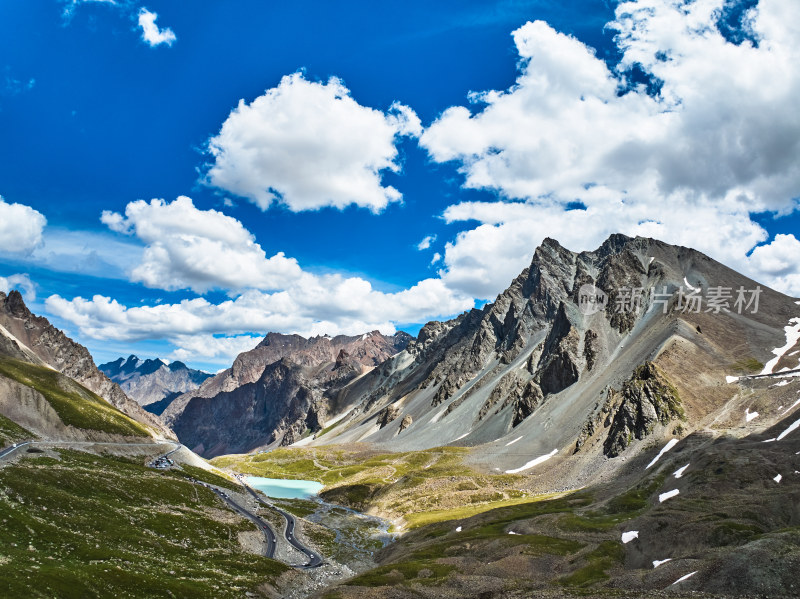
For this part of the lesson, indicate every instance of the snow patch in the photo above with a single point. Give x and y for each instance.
(682, 578)
(679, 472)
(627, 537)
(458, 529)
(731, 379)
(511, 532)
(780, 384)
(668, 495)
(686, 282)
(791, 428)
(748, 415)
(461, 437)
(534, 462)
(651, 260)
(792, 331)
(658, 562)
(672, 443)
(769, 440)
(514, 441)
(778, 478)
(794, 353)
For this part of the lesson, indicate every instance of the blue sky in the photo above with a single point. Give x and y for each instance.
(364, 130)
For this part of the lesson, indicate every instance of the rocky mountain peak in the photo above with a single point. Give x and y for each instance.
(14, 305)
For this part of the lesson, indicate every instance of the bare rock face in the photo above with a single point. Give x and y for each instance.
(646, 400)
(276, 393)
(559, 363)
(589, 348)
(387, 415)
(405, 423)
(63, 354)
(524, 405)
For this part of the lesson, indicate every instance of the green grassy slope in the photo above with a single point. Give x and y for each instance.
(89, 526)
(74, 404)
(11, 432)
(418, 487)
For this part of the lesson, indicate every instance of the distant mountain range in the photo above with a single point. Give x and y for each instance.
(153, 383)
(278, 392)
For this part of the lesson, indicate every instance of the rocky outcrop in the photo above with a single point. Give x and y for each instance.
(559, 362)
(72, 359)
(387, 415)
(589, 348)
(405, 423)
(645, 401)
(524, 405)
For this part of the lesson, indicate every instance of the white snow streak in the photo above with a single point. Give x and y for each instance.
(748, 415)
(627, 537)
(679, 472)
(682, 578)
(658, 562)
(514, 441)
(532, 463)
(731, 379)
(672, 443)
(668, 495)
(651, 260)
(461, 437)
(790, 407)
(511, 532)
(792, 337)
(780, 384)
(791, 428)
(778, 478)
(686, 282)
(769, 440)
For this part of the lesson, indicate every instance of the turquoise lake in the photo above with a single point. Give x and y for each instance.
(285, 489)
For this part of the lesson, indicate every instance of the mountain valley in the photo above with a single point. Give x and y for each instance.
(622, 422)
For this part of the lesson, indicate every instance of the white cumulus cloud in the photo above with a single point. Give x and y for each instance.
(20, 228)
(198, 249)
(203, 249)
(151, 32)
(308, 145)
(780, 261)
(212, 348)
(19, 281)
(688, 165)
(426, 242)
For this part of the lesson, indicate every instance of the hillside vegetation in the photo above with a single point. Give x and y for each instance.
(81, 525)
(410, 488)
(75, 405)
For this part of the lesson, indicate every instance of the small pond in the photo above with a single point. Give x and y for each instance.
(284, 489)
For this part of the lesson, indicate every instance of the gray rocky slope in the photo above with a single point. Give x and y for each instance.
(32, 339)
(532, 376)
(275, 392)
(151, 382)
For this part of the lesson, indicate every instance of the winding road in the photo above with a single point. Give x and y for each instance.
(314, 559)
